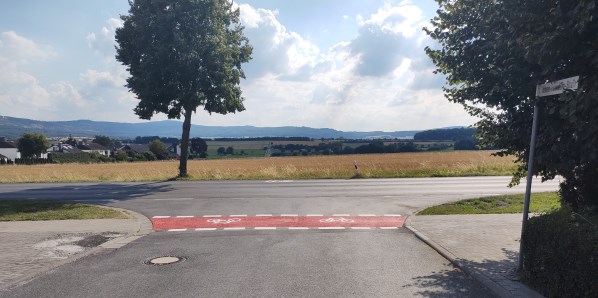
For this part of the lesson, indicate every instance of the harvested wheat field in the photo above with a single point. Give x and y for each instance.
(423, 164)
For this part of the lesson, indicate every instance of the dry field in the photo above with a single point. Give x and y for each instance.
(422, 164)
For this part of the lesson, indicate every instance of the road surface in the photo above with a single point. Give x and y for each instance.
(350, 259)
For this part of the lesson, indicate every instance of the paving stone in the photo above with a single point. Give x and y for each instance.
(487, 243)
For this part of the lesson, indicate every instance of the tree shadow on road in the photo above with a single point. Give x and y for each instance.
(100, 193)
(456, 283)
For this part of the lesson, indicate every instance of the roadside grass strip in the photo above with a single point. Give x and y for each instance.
(539, 203)
(274, 222)
(32, 210)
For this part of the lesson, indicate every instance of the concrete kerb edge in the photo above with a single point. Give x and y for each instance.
(496, 289)
(144, 227)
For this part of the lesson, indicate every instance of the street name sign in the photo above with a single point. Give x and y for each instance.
(557, 87)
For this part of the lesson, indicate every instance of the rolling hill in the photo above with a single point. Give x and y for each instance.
(11, 127)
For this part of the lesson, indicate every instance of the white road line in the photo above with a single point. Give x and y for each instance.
(263, 215)
(185, 216)
(205, 229)
(366, 214)
(233, 229)
(159, 216)
(177, 230)
(392, 215)
(298, 228)
(238, 215)
(212, 216)
(389, 228)
(289, 215)
(174, 199)
(265, 228)
(315, 215)
(331, 228)
(341, 215)
(360, 228)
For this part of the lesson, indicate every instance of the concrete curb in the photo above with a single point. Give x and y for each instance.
(493, 286)
(144, 227)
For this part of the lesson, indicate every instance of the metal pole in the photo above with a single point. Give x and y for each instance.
(528, 186)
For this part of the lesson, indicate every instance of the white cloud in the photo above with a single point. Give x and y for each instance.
(380, 79)
(276, 50)
(103, 41)
(97, 94)
(104, 79)
(22, 50)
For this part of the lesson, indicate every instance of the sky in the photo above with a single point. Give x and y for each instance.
(353, 65)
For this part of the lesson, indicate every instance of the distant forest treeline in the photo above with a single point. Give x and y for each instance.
(452, 134)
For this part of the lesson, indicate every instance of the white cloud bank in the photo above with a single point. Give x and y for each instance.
(379, 80)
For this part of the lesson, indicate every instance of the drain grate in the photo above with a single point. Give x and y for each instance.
(166, 260)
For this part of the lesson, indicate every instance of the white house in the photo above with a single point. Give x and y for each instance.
(94, 147)
(9, 150)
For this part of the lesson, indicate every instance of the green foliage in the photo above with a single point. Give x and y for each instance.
(183, 54)
(53, 210)
(32, 144)
(103, 140)
(121, 155)
(149, 156)
(198, 146)
(221, 150)
(494, 53)
(540, 202)
(32, 161)
(158, 149)
(561, 254)
(79, 157)
(230, 150)
(452, 134)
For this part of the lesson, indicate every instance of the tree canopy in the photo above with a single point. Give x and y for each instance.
(158, 149)
(198, 146)
(103, 140)
(494, 53)
(32, 144)
(182, 54)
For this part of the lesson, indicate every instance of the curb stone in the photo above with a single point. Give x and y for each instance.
(496, 288)
(144, 227)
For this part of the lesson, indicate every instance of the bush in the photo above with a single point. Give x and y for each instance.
(79, 157)
(561, 254)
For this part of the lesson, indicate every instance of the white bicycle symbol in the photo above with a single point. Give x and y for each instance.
(224, 221)
(337, 219)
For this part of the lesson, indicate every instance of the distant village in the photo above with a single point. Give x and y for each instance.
(71, 149)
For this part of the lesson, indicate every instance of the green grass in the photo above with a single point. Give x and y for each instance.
(539, 203)
(54, 210)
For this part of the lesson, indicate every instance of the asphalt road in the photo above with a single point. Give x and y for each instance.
(280, 263)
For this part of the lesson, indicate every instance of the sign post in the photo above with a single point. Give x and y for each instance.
(552, 88)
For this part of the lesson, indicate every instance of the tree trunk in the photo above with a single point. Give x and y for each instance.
(185, 143)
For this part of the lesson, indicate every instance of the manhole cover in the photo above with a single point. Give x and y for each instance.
(164, 260)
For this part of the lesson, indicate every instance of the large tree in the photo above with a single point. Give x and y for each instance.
(183, 54)
(494, 53)
(32, 145)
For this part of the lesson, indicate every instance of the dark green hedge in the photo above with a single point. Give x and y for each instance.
(79, 157)
(561, 254)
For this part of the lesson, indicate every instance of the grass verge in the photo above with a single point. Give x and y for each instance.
(539, 203)
(54, 210)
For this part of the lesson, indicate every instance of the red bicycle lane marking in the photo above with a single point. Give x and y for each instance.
(277, 221)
